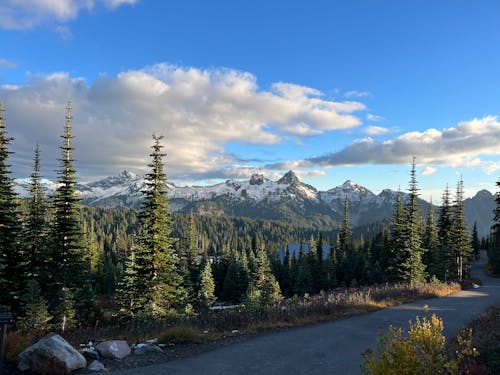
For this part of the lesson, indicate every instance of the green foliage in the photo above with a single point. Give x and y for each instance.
(489, 349)
(12, 263)
(34, 307)
(422, 353)
(206, 296)
(446, 257)
(263, 289)
(181, 335)
(494, 248)
(64, 315)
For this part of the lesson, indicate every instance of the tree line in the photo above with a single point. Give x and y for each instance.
(57, 258)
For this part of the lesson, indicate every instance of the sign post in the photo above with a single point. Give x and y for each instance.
(6, 318)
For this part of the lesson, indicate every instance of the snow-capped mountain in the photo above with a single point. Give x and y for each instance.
(287, 198)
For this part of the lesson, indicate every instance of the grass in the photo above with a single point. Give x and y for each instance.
(287, 313)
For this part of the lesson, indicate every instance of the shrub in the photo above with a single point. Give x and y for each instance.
(16, 342)
(422, 352)
(489, 347)
(180, 335)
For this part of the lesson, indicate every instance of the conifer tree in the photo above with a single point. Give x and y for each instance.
(494, 247)
(345, 229)
(304, 282)
(397, 240)
(189, 264)
(263, 289)
(34, 307)
(69, 259)
(160, 290)
(35, 230)
(431, 244)
(445, 266)
(206, 296)
(12, 262)
(475, 243)
(461, 240)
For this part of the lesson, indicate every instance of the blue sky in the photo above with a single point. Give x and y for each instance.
(334, 90)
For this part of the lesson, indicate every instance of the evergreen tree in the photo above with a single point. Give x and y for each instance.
(431, 244)
(345, 229)
(35, 230)
(263, 289)
(12, 262)
(461, 243)
(160, 290)
(445, 266)
(494, 246)
(476, 245)
(237, 279)
(189, 263)
(34, 307)
(304, 282)
(69, 259)
(397, 241)
(206, 296)
(413, 268)
(65, 310)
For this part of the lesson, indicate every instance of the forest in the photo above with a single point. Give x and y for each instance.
(63, 264)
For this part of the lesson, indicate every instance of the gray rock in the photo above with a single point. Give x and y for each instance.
(96, 366)
(114, 349)
(91, 353)
(148, 350)
(51, 355)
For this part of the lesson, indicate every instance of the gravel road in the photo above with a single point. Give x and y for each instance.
(329, 348)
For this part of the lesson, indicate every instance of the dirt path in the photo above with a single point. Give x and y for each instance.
(330, 348)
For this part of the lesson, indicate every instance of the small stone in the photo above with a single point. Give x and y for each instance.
(96, 366)
(91, 353)
(90, 344)
(114, 349)
(140, 345)
(162, 345)
(152, 341)
(234, 331)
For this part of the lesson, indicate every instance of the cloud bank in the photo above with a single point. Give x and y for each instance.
(28, 14)
(459, 146)
(198, 112)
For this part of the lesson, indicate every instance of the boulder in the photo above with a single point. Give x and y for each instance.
(114, 349)
(148, 350)
(96, 366)
(51, 355)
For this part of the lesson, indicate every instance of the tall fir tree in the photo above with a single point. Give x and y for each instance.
(69, 259)
(397, 241)
(461, 239)
(476, 244)
(414, 269)
(263, 289)
(494, 246)
(155, 260)
(12, 261)
(206, 292)
(431, 244)
(445, 266)
(35, 230)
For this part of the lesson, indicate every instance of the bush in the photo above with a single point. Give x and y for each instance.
(16, 342)
(489, 347)
(423, 352)
(180, 335)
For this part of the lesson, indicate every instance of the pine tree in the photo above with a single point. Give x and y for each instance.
(206, 296)
(263, 289)
(189, 264)
(397, 241)
(160, 290)
(12, 263)
(69, 259)
(35, 230)
(34, 307)
(412, 250)
(476, 245)
(345, 229)
(431, 244)
(304, 282)
(445, 267)
(461, 243)
(494, 247)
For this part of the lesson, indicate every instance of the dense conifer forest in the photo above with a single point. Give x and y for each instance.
(61, 262)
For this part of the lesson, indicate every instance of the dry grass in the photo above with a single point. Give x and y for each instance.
(292, 312)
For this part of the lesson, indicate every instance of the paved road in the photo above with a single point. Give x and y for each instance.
(329, 348)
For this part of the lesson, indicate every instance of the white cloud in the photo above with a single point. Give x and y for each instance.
(428, 171)
(198, 111)
(28, 14)
(374, 118)
(459, 146)
(376, 130)
(357, 94)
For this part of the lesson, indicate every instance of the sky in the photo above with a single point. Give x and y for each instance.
(333, 90)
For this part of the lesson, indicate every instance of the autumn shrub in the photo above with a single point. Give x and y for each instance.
(181, 335)
(421, 352)
(16, 342)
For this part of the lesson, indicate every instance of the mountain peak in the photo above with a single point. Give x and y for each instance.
(128, 175)
(350, 184)
(289, 178)
(257, 179)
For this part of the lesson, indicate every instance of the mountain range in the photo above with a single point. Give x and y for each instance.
(260, 198)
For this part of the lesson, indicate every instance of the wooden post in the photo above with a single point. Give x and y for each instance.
(5, 319)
